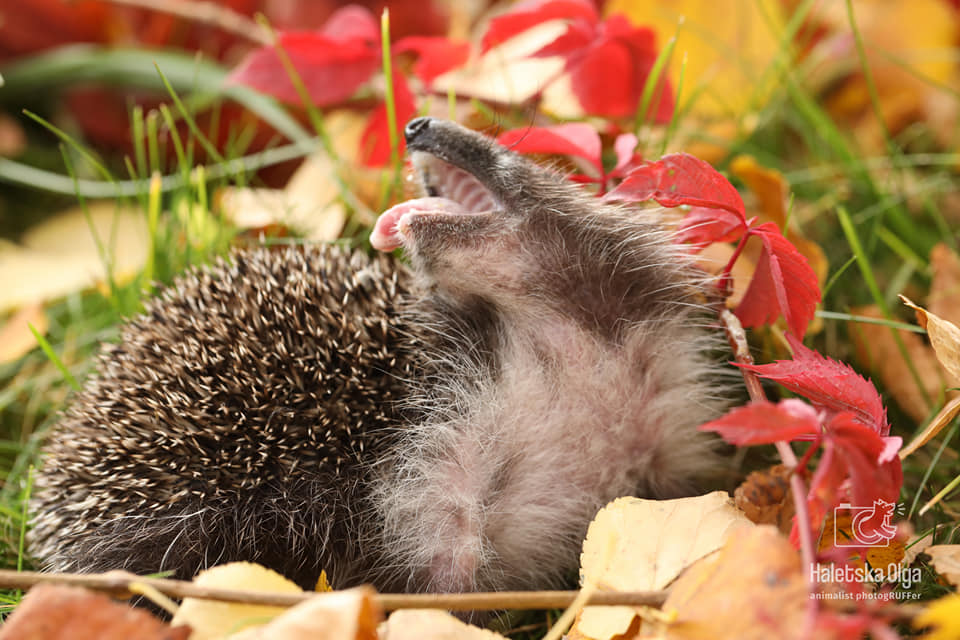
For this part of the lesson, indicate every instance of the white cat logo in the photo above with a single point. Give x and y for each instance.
(863, 530)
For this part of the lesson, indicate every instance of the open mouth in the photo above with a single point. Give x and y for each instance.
(451, 192)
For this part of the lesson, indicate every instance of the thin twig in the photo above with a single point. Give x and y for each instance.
(205, 12)
(737, 338)
(118, 583)
(741, 353)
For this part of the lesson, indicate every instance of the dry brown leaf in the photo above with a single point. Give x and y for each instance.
(877, 349)
(937, 424)
(57, 612)
(431, 624)
(753, 587)
(944, 337)
(60, 255)
(944, 298)
(12, 138)
(212, 620)
(765, 498)
(636, 545)
(767, 186)
(16, 339)
(904, 40)
(945, 558)
(352, 614)
(915, 547)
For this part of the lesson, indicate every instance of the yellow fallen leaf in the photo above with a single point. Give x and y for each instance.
(352, 614)
(944, 337)
(323, 584)
(944, 616)
(310, 202)
(726, 52)
(946, 560)
(753, 587)
(60, 255)
(652, 542)
(838, 526)
(16, 339)
(431, 624)
(211, 620)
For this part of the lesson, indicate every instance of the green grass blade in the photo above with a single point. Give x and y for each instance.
(867, 272)
(131, 67)
(21, 545)
(190, 120)
(24, 175)
(653, 82)
(76, 146)
(54, 358)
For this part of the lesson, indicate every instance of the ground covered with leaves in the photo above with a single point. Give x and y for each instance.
(806, 151)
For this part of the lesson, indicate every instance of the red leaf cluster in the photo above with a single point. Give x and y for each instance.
(609, 61)
(335, 61)
(832, 386)
(847, 422)
(783, 282)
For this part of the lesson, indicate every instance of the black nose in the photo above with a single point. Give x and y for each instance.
(415, 127)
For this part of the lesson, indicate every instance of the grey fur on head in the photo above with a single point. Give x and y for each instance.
(454, 426)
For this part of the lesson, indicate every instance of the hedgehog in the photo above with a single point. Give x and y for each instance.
(451, 422)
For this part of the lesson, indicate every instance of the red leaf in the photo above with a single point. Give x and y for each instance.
(604, 80)
(571, 43)
(824, 491)
(703, 226)
(610, 78)
(375, 140)
(783, 284)
(529, 14)
(332, 63)
(437, 55)
(680, 179)
(352, 22)
(873, 475)
(855, 453)
(829, 384)
(575, 139)
(608, 62)
(765, 422)
(624, 146)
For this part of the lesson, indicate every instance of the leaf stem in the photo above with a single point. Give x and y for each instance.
(741, 353)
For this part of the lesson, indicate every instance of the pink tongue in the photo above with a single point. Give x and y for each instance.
(387, 234)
